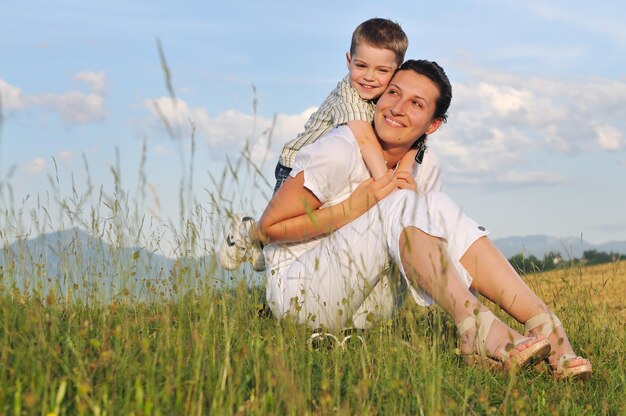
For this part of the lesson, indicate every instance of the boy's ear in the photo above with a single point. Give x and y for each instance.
(348, 59)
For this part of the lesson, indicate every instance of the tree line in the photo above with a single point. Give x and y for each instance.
(553, 260)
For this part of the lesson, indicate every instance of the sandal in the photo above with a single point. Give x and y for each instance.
(534, 353)
(562, 370)
(325, 341)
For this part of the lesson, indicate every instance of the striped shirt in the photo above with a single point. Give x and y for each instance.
(342, 105)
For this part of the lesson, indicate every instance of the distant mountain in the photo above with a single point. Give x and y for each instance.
(61, 250)
(569, 247)
(74, 257)
(614, 246)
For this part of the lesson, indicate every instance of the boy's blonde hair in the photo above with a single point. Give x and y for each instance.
(382, 34)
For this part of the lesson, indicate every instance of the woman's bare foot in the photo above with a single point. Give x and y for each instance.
(485, 335)
(563, 360)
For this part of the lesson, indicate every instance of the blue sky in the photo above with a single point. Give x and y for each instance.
(535, 143)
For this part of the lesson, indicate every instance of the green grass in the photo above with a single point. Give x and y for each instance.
(209, 351)
(188, 343)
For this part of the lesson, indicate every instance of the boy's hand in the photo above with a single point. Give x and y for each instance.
(405, 180)
(407, 161)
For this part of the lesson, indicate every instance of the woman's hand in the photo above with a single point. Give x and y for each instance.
(368, 193)
(405, 180)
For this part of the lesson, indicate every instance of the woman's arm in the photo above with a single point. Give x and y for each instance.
(293, 213)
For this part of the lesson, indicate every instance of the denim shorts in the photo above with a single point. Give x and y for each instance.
(281, 173)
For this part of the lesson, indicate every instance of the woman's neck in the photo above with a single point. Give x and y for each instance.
(393, 155)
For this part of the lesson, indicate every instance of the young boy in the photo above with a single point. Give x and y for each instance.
(376, 51)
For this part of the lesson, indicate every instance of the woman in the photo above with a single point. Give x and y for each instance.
(328, 240)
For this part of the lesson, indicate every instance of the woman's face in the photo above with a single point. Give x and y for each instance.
(406, 109)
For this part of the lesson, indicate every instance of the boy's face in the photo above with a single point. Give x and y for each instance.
(371, 70)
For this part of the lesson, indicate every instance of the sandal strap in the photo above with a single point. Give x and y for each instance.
(466, 324)
(504, 353)
(560, 364)
(549, 320)
(482, 321)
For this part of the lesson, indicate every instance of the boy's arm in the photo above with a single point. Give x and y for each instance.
(407, 161)
(370, 148)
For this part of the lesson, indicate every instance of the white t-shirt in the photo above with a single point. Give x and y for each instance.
(333, 168)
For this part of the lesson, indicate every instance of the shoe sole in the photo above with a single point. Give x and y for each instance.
(530, 356)
(484, 362)
(580, 372)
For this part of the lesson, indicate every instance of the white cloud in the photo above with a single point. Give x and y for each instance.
(96, 80)
(35, 166)
(503, 99)
(609, 138)
(480, 150)
(505, 179)
(160, 150)
(500, 122)
(66, 155)
(74, 107)
(229, 130)
(11, 96)
(288, 126)
(530, 178)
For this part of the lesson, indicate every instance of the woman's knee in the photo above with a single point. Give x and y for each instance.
(405, 200)
(399, 202)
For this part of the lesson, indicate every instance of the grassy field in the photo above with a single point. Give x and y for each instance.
(209, 352)
(184, 343)
(192, 341)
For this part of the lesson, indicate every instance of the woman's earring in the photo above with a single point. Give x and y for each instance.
(421, 149)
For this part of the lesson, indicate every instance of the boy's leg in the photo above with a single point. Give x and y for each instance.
(238, 243)
(281, 173)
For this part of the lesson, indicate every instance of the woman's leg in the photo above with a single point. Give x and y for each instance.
(386, 296)
(327, 286)
(328, 283)
(495, 278)
(426, 265)
(414, 228)
(341, 275)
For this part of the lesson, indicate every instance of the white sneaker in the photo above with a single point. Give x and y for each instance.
(257, 259)
(236, 246)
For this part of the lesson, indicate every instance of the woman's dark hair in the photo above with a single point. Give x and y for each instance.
(436, 74)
